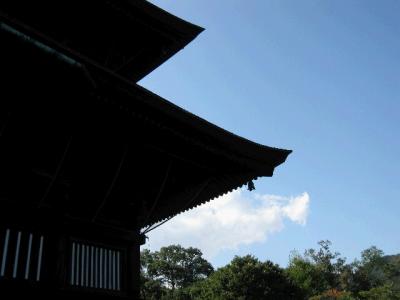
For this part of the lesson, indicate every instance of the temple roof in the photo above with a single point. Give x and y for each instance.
(92, 144)
(129, 37)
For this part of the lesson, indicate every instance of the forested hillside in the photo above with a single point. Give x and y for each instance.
(175, 272)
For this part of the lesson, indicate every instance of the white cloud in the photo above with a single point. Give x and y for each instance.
(230, 221)
(297, 209)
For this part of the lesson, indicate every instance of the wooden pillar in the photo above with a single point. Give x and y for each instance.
(49, 261)
(62, 264)
(133, 267)
(54, 269)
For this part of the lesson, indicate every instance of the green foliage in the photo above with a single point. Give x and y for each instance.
(317, 270)
(384, 292)
(373, 266)
(175, 266)
(322, 273)
(372, 272)
(304, 274)
(177, 273)
(151, 289)
(333, 295)
(168, 273)
(393, 270)
(248, 278)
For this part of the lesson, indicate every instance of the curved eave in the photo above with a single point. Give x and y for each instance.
(251, 160)
(184, 28)
(217, 189)
(169, 112)
(142, 35)
(262, 153)
(175, 29)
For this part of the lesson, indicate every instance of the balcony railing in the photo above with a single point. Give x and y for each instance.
(21, 255)
(95, 267)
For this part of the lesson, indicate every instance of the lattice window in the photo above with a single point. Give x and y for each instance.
(95, 267)
(21, 255)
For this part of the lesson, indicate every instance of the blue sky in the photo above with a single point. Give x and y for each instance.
(319, 77)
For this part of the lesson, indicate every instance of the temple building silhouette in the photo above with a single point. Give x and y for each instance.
(89, 160)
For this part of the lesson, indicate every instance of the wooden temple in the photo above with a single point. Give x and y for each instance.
(90, 160)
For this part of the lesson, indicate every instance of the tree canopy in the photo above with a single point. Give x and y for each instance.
(175, 272)
(173, 267)
(248, 278)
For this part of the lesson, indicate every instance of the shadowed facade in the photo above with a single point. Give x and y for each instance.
(89, 160)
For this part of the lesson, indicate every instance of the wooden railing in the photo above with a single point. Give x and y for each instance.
(21, 255)
(95, 267)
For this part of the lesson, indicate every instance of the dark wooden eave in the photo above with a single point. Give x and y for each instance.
(128, 37)
(89, 143)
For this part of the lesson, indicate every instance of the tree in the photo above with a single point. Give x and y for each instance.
(248, 278)
(317, 270)
(305, 274)
(175, 266)
(328, 264)
(150, 288)
(177, 273)
(369, 272)
(384, 292)
(374, 266)
(334, 295)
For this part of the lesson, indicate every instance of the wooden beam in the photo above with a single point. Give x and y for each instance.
(160, 191)
(56, 173)
(5, 123)
(193, 198)
(111, 187)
